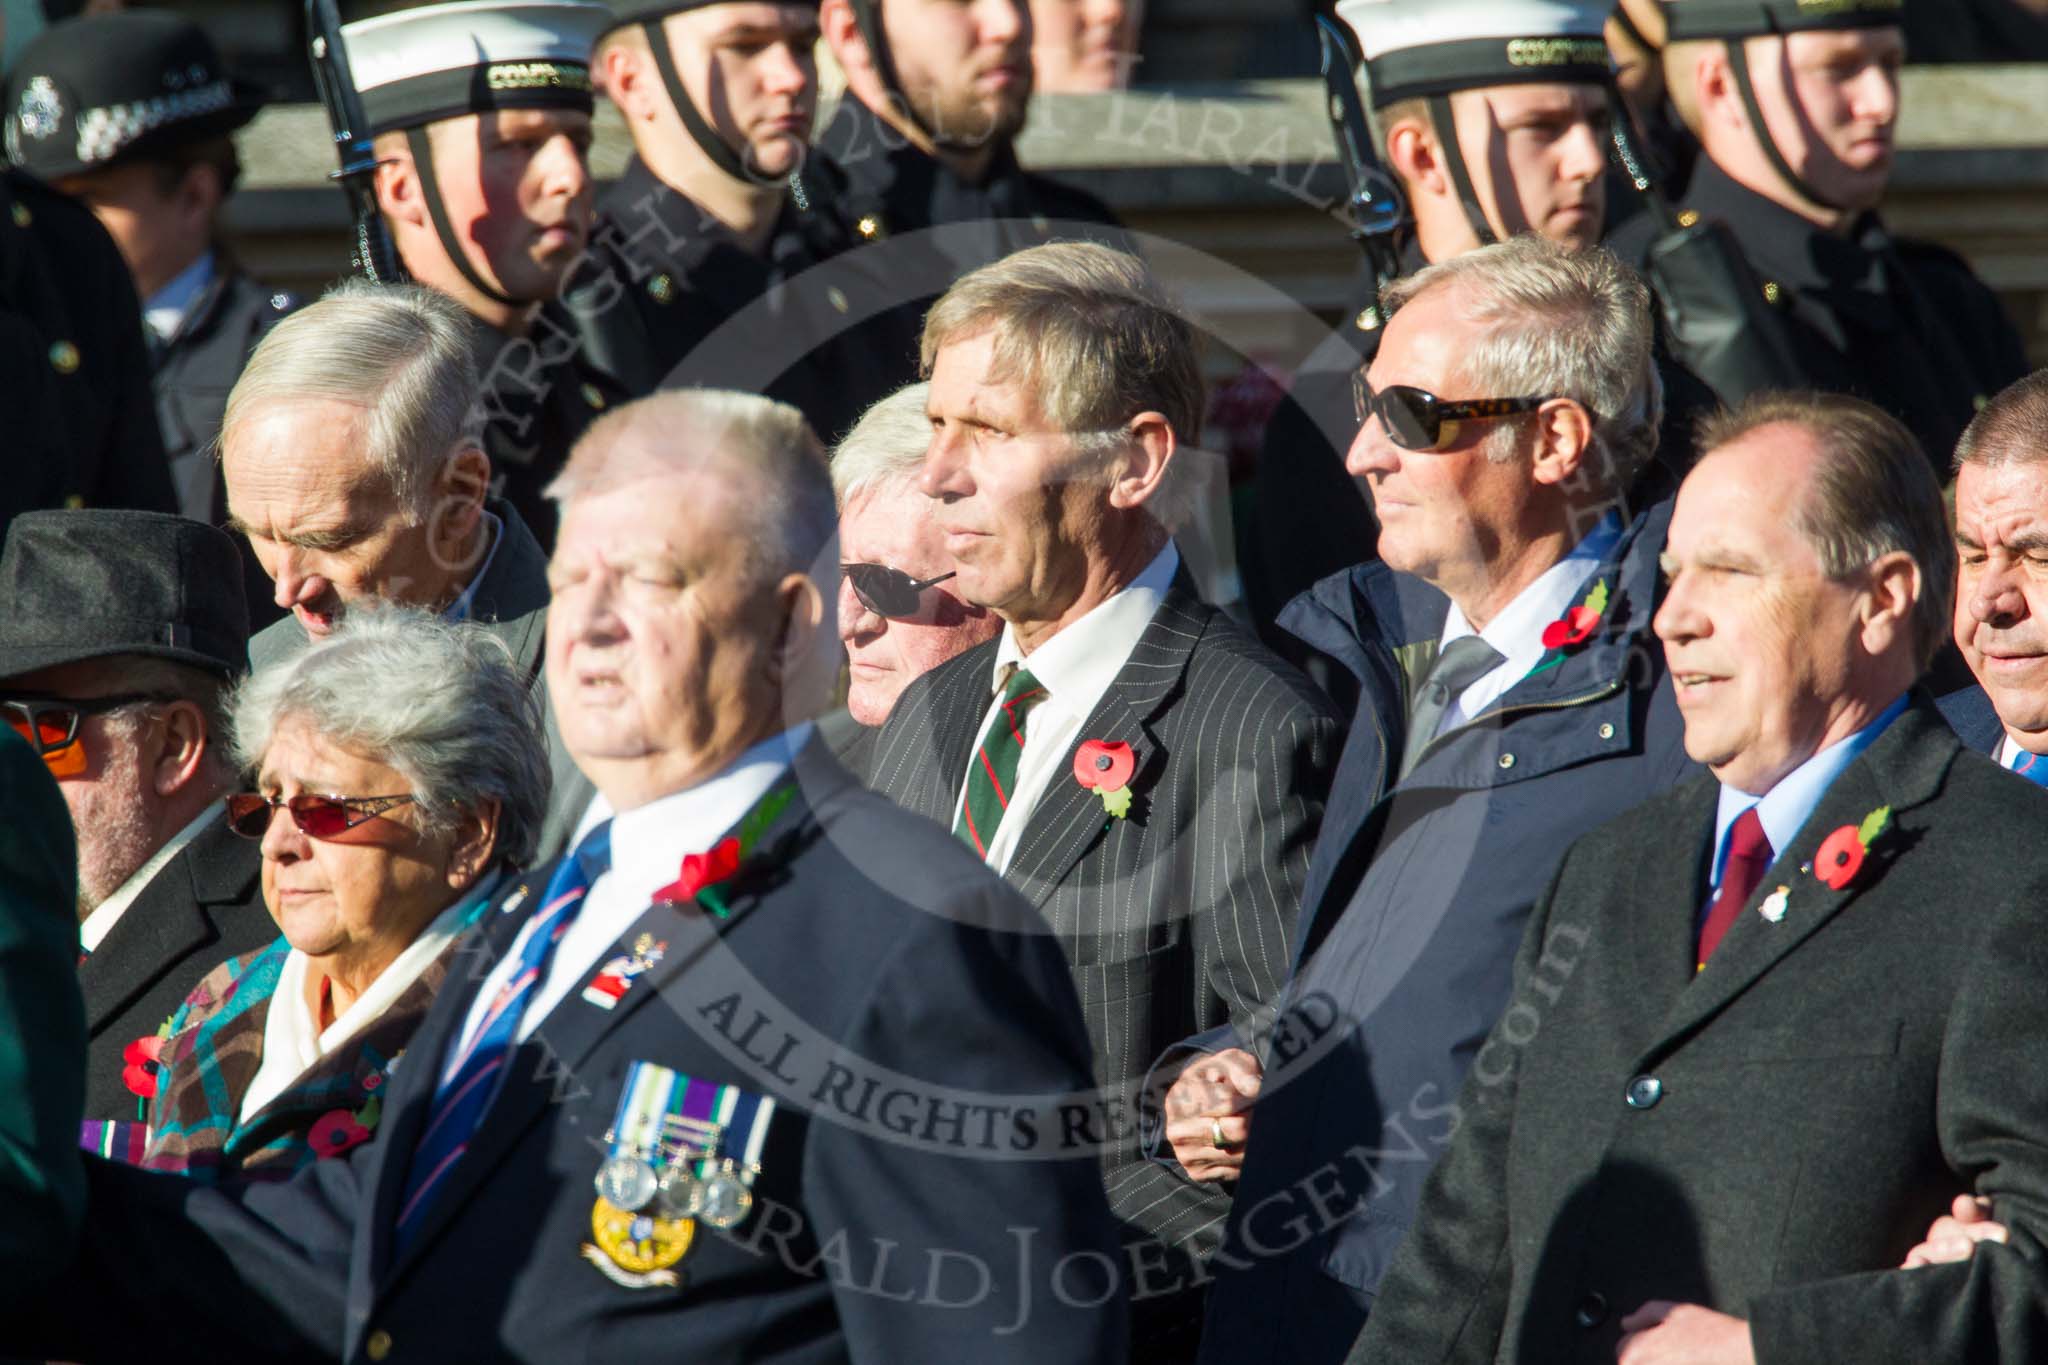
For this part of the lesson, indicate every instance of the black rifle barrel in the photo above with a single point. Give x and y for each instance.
(373, 253)
(1376, 207)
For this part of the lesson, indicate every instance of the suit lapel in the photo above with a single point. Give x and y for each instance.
(920, 757)
(167, 922)
(1903, 769)
(1663, 935)
(1069, 818)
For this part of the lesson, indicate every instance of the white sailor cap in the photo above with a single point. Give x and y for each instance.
(1755, 18)
(418, 66)
(1415, 48)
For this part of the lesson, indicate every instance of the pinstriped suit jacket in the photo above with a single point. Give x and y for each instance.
(1179, 918)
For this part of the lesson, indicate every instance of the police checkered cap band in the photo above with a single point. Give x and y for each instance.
(1415, 48)
(416, 66)
(1688, 19)
(103, 133)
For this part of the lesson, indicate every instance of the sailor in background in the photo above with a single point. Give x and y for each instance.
(481, 115)
(701, 262)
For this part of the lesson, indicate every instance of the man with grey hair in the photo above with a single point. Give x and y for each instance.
(786, 1030)
(354, 463)
(899, 613)
(1148, 775)
(1510, 699)
(1850, 907)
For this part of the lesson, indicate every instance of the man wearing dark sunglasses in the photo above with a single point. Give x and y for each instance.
(1493, 118)
(123, 705)
(1511, 699)
(900, 614)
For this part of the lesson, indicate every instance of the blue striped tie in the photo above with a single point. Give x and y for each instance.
(2033, 767)
(471, 1078)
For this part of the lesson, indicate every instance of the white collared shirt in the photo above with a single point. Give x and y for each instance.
(1516, 633)
(1788, 804)
(2011, 755)
(648, 846)
(103, 919)
(1075, 667)
(166, 309)
(293, 1041)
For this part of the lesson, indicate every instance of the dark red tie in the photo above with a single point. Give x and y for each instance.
(1749, 857)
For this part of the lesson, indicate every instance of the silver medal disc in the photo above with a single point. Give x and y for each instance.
(626, 1182)
(678, 1193)
(726, 1201)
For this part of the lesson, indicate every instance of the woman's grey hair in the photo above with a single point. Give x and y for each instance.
(779, 501)
(442, 702)
(1873, 494)
(886, 446)
(1555, 322)
(1095, 336)
(402, 352)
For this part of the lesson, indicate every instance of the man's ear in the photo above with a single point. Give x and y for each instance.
(842, 33)
(1416, 157)
(1720, 103)
(180, 744)
(1140, 467)
(1892, 588)
(399, 196)
(1564, 443)
(459, 493)
(623, 68)
(198, 195)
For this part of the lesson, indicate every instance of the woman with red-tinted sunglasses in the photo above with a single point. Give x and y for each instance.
(398, 768)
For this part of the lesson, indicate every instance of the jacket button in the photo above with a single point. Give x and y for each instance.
(1644, 1092)
(1591, 1311)
(1607, 730)
(1507, 761)
(377, 1345)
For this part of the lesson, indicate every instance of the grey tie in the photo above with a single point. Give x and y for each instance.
(1464, 662)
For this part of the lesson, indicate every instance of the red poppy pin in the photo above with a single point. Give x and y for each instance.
(1577, 625)
(1106, 768)
(700, 873)
(338, 1130)
(141, 1061)
(1842, 852)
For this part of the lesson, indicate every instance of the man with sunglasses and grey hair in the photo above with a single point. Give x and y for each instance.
(899, 613)
(120, 634)
(1511, 698)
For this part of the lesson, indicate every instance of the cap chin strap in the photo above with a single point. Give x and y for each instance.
(1738, 63)
(430, 190)
(867, 17)
(1454, 161)
(701, 132)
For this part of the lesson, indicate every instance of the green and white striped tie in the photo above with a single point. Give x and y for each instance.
(993, 774)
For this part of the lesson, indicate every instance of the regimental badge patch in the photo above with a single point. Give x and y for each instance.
(635, 1250)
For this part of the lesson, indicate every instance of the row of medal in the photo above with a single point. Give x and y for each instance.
(688, 1148)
